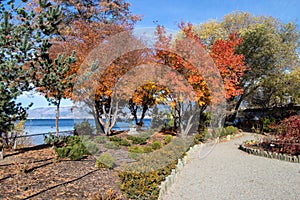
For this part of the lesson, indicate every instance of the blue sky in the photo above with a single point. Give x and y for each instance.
(170, 12)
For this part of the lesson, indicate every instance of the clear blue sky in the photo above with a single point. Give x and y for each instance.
(170, 12)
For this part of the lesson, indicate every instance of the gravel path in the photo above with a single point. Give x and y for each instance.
(228, 173)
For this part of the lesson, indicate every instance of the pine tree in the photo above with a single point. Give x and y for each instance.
(24, 45)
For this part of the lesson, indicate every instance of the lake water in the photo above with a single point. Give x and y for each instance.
(35, 126)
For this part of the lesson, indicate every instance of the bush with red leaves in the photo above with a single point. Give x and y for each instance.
(287, 134)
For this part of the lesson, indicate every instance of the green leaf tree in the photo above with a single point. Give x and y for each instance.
(270, 49)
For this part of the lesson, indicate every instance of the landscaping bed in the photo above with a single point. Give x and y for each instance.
(283, 142)
(38, 174)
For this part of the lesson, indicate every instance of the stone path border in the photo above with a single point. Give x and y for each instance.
(268, 154)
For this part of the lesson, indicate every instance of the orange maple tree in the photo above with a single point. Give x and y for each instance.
(86, 25)
(178, 56)
(231, 65)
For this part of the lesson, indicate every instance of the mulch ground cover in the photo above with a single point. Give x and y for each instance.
(35, 173)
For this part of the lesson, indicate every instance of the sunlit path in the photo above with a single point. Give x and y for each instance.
(228, 173)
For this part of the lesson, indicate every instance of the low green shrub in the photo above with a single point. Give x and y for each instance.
(73, 148)
(141, 179)
(112, 145)
(201, 137)
(62, 152)
(77, 152)
(156, 145)
(229, 130)
(91, 147)
(137, 140)
(105, 160)
(147, 149)
(120, 141)
(124, 143)
(136, 149)
(52, 139)
(218, 132)
(168, 139)
(134, 152)
(222, 132)
(115, 139)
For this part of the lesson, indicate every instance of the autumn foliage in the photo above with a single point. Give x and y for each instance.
(231, 65)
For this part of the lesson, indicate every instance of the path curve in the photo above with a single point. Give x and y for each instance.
(228, 173)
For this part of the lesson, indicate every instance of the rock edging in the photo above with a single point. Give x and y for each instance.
(268, 154)
(169, 180)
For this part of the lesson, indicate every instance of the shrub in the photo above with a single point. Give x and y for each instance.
(77, 152)
(217, 132)
(168, 139)
(201, 137)
(19, 128)
(147, 149)
(112, 145)
(110, 195)
(141, 179)
(136, 149)
(115, 139)
(135, 152)
(266, 124)
(100, 139)
(62, 152)
(91, 147)
(73, 148)
(83, 128)
(156, 145)
(105, 160)
(137, 140)
(10, 138)
(288, 128)
(120, 141)
(124, 143)
(222, 132)
(53, 140)
(287, 134)
(229, 130)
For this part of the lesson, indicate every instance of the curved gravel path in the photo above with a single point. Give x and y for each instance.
(228, 173)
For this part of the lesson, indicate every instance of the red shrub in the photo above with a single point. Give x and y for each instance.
(288, 128)
(288, 135)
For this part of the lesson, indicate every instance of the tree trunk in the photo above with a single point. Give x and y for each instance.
(57, 117)
(1, 154)
(141, 122)
(97, 116)
(202, 119)
(1, 147)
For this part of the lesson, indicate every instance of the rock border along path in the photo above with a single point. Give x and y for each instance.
(229, 173)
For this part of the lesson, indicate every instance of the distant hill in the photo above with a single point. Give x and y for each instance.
(50, 113)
